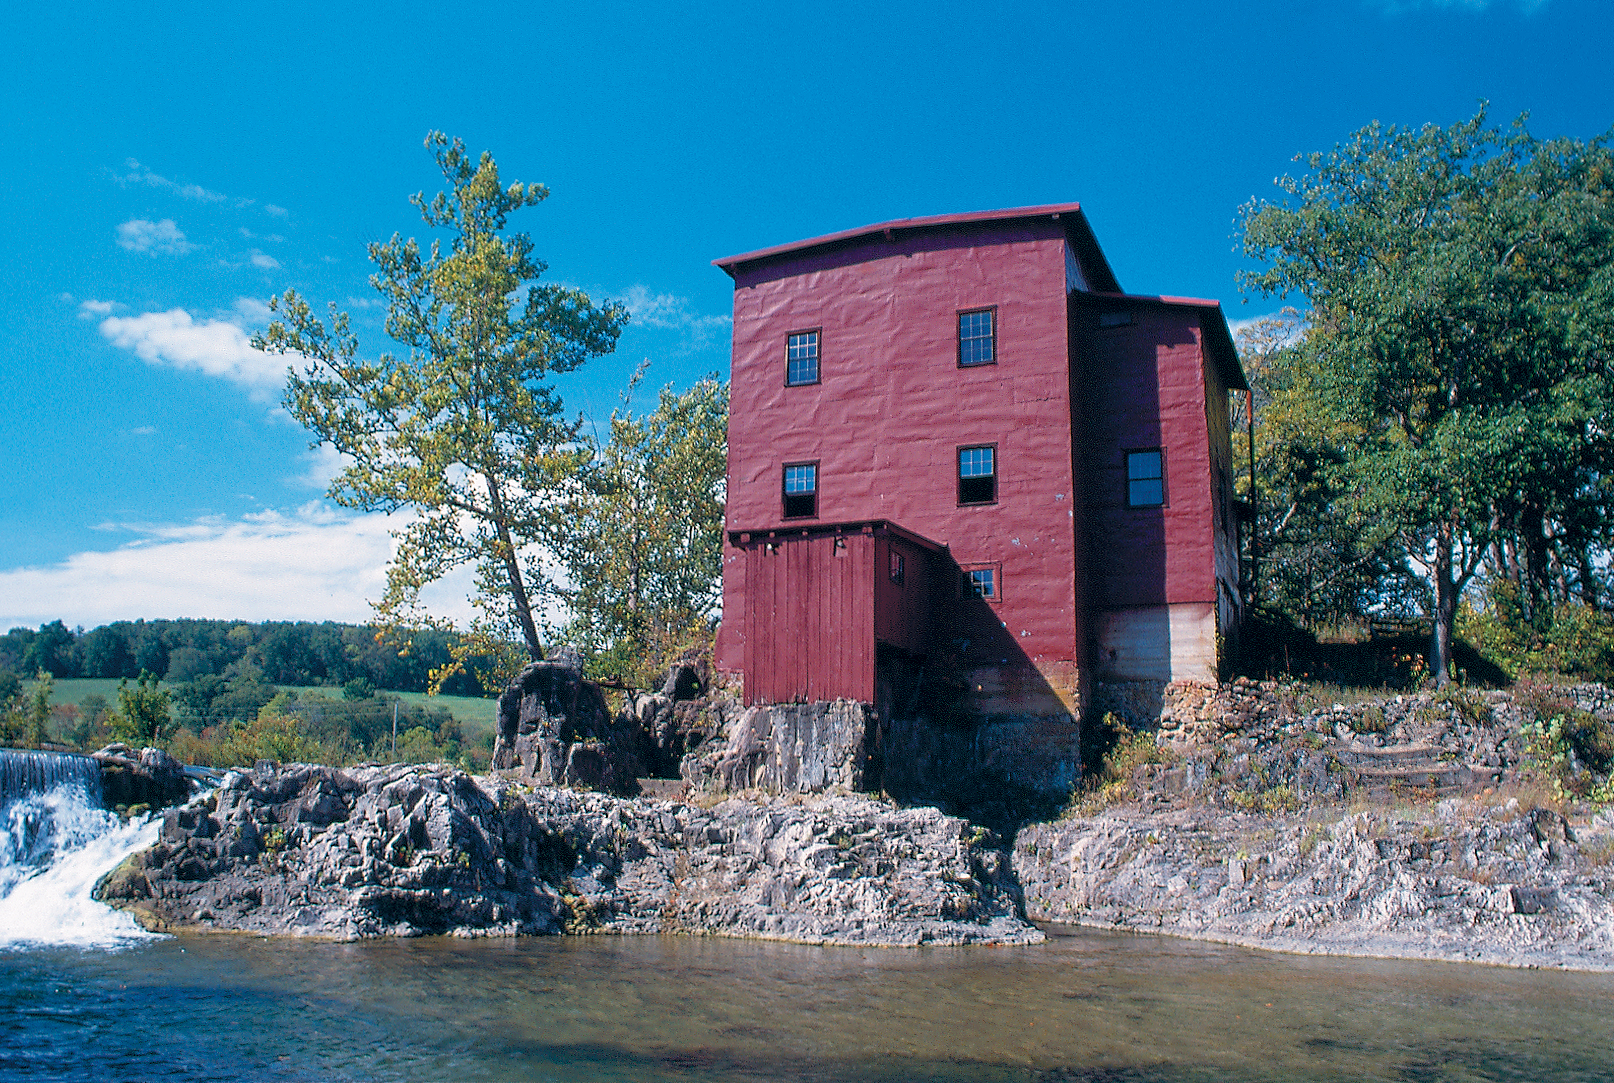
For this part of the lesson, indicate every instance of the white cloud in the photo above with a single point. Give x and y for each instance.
(666, 311)
(144, 430)
(268, 263)
(91, 309)
(213, 347)
(141, 235)
(273, 238)
(313, 564)
(139, 174)
(324, 463)
(278, 212)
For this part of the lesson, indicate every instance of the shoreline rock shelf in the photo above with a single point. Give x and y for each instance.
(1490, 886)
(413, 850)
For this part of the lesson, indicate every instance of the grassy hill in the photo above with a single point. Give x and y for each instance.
(476, 716)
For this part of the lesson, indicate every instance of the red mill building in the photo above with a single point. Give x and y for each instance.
(956, 445)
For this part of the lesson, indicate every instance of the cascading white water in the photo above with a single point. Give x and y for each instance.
(55, 843)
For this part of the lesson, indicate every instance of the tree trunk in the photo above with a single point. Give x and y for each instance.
(1588, 578)
(512, 569)
(1537, 577)
(1445, 608)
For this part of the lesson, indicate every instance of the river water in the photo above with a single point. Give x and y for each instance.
(84, 995)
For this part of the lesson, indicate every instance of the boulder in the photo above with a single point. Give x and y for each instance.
(555, 730)
(147, 777)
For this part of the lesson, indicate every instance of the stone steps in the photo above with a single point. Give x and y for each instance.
(1418, 766)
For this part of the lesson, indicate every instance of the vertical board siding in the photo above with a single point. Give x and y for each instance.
(810, 619)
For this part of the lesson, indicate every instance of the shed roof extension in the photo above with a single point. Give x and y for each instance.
(1077, 231)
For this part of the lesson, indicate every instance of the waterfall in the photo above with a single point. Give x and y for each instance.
(24, 773)
(56, 842)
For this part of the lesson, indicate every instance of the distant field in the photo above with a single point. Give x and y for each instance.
(475, 716)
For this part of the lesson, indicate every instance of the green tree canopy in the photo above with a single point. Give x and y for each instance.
(1457, 341)
(643, 560)
(463, 427)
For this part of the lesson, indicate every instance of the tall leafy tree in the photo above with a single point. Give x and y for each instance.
(644, 558)
(462, 426)
(1450, 274)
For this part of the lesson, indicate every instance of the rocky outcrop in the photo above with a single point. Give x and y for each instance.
(1469, 882)
(788, 748)
(555, 730)
(131, 778)
(684, 716)
(400, 850)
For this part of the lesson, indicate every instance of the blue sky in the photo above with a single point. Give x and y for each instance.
(173, 166)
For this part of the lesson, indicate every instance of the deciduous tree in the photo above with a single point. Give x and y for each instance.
(462, 427)
(644, 558)
(1453, 277)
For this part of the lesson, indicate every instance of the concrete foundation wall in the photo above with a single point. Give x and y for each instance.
(1158, 643)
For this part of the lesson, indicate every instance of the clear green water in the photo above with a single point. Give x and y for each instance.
(1087, 1006)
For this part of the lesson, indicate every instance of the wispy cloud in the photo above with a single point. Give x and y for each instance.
(666, 311)
(91, 309)
(144, 430)
(278, 212)
(141, 235)
(213, 347)
(135, 173)
(266, 262)
(273, 238)
(312, 564)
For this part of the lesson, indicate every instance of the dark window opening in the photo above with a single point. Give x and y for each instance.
(1145, 478)
(899, 567)
(981, 583)
(977, 474)
(1122, 318)
(801, 358)
(977, 337)
(801, 490)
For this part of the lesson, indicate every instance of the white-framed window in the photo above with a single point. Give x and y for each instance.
(977, 337)
(978, 474)
(801, 358)
(801, 490)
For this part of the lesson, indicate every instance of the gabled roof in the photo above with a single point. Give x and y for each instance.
(1080, 235)
(1212, 321)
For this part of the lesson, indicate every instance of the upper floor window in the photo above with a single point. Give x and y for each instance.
(978, 474)
(977, 337)
(1145, 478)
(899, 568)
(984, 581)
(801, 358)
(801, 490)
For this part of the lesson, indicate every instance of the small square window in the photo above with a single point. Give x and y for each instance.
(801, 358)
(1145, 478)
(977, 337)
(899, 568)
(983, 581)
(801, 490)
(977, 474)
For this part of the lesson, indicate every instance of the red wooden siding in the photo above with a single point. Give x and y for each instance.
(811, 612)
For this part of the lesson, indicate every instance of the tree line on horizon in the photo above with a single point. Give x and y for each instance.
(299, 653)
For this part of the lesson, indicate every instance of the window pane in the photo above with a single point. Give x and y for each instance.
(801, 358)
(975, 338)
(1142, 464)
(975, 462)
(982, 583)
(1145, 492)
(801, 479)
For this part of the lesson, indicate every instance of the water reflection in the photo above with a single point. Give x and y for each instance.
(1087, 1006)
